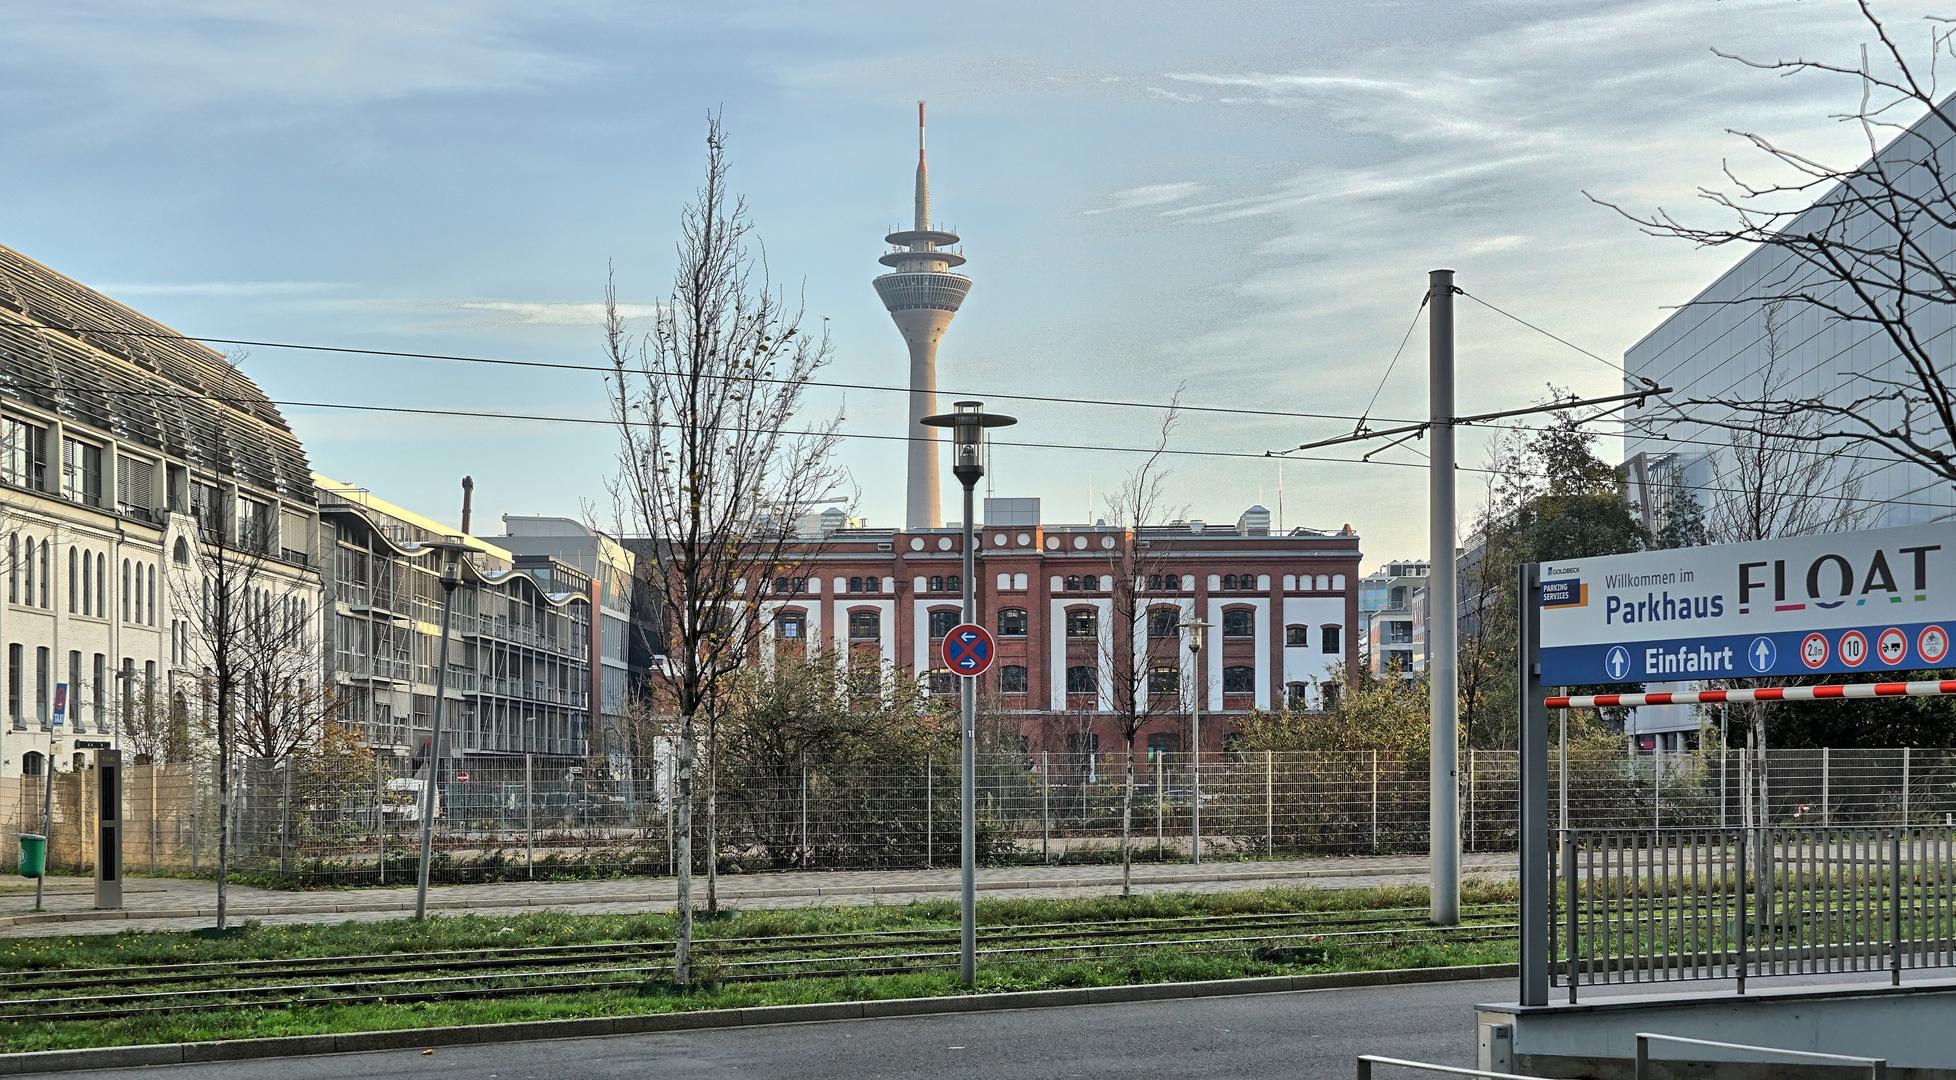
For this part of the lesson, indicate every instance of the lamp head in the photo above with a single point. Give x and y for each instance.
(968, 422)
(451, 561)
(1195, 629)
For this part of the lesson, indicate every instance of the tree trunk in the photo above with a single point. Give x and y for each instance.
(712, 814)
(223, 797)
(682, 949)
(1127, 824)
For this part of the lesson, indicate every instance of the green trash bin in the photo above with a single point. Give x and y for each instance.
(33, 855)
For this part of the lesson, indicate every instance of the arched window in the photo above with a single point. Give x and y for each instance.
(1164, 622)
(1012, 679)
(74, 580)
(855, 584)
(1164, 679)
(789, 625)
(88, 583)
(13, 568)
(101, 585)
(1239, 622)
(137, 603)
(1239, 680)
(1229, 581)
(181, 553)
(1246, 581)
(29, 599)
(1296, 637)
(152, 595)
(865, 625)
(1083, 679)
(1082, 623)
(941, 622)
(126, 570)
(943, 681)
(954, 583)
(1012, 622)
(1324, 583)
(1172, 582)
(872, 584)
(1298, 696)
(1329, 638)
(1073, 583)
(47, 577)
(781, 586)
(937, 584)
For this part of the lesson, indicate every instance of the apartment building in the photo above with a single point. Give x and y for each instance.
(123, 449)
(1393, 605)
(519, 646)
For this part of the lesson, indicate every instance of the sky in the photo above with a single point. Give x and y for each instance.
(1238, 202)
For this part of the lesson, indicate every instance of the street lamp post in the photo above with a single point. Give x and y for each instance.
(1197, 630)
(451, 576)
(968, 423)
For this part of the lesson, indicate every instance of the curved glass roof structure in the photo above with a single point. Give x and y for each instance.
(72, 351)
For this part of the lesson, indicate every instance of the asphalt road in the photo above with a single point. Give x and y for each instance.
(1297, 1036)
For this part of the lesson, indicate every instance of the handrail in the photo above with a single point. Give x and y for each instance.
(1877, 1067)
(1366, 1061)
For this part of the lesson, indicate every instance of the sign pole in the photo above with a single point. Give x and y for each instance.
(968, 423)
(1535, 959)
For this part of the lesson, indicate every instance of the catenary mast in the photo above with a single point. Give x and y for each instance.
(922, 295)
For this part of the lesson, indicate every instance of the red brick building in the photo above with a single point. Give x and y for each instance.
(1283, 610)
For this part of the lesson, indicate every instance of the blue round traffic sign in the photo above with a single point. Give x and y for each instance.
(968, 649)
(1762, 654)
(1617, 663)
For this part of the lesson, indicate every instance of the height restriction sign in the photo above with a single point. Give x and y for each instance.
(968, 649)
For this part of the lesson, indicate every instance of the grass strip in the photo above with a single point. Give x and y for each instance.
(1165, 963)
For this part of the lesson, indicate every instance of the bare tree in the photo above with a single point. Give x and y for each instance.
(1140, 692)
(261, 669)
(709, 466)
(1864, 247)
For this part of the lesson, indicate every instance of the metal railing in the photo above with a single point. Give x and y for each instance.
(1877, 1067)
(1662, 905)
(1366, 1061)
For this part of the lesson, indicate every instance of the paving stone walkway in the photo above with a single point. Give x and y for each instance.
(176, 903)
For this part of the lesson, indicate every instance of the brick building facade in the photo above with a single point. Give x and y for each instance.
(1283, 611)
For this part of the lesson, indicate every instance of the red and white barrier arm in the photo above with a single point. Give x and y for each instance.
(1929, 688)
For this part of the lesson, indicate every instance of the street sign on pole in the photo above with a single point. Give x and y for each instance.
(1880, 599)
(462, 776)
(60, 705)
(968, 650)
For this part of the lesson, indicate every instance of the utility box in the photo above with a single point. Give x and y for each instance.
(108, 850)
(1497, 1048)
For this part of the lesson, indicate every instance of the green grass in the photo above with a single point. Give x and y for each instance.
(1160, 964)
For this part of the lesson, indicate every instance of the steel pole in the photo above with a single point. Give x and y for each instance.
(1534, 836)
(1195, 754)
(434, 749)
(968, 797)
(1442, 627)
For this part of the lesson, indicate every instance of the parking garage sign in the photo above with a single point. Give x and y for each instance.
(1881, 599)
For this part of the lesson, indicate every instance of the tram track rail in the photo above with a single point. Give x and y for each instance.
(115, 992)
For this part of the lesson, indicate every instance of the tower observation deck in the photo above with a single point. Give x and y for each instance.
(922, 294)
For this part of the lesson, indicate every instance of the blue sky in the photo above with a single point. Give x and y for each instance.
(1243, 198)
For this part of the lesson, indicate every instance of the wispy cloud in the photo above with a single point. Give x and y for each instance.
(223, 289)
(534, 313)
(1135, 198)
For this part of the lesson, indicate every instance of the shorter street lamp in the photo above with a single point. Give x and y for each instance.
(1197, 630)
(968, 424)
(451, 576)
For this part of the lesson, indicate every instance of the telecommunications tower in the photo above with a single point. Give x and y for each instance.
(922, 295)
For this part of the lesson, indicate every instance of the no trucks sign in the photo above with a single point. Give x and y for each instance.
(1876, 600)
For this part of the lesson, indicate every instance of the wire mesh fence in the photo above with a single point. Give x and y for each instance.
(514, 817)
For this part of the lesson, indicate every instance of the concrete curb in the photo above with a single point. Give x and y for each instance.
(124, 1057)
(764, 893)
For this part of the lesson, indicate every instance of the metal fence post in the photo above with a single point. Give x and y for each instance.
(1160, 801)
(1375, 800)
(1741, 916)
(1569, 903)
(804, 813)
(1269, 806)
(380, 822)
(1905, 778)
(1045, 806)
(1895, 902)
(285, 825)
(196, 821)
(1826, 788)
(930, 815)
(1657, 783)
(529, 817)
(152, 818)
(1470, 798)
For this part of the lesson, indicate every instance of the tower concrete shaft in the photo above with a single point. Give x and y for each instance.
(922, 295)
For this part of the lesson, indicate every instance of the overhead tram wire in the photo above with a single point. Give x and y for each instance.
(590, 421)
(606, 370)
(1565, 341)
